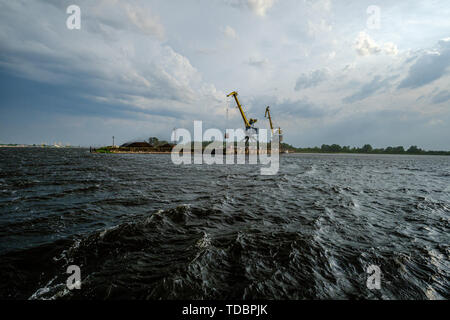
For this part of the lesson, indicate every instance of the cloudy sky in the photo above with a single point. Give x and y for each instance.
(331, 71)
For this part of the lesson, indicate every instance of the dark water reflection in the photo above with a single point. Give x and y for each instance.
(140, 227)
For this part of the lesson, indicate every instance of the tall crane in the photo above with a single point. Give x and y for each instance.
(267, 115)
(248, 123)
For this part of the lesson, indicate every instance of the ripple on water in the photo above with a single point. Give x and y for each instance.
(140, 227)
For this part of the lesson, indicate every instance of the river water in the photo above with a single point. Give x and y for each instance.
(140, 227)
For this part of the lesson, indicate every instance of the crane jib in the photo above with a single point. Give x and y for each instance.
(248, 124)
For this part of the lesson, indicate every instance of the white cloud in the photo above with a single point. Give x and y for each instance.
(445, 43)
(133, 70)
(229, 32)
(258, 7)
(365, 46)
(162, 59)
(146, 23)
(390, 48)
(315, 28)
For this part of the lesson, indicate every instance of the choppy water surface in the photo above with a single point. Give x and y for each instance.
(141, 227)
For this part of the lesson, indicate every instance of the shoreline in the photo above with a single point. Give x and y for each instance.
(283, 153)
(169, 152)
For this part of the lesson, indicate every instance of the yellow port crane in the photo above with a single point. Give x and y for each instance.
(248, 123)
(267, 115)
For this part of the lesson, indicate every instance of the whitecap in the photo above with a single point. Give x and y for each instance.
(204, 241)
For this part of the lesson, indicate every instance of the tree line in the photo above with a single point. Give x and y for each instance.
(367, 148)
(334, 148)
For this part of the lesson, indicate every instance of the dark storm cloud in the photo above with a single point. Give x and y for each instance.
(301, 108)
(441, 97)
(429, 67)
(24, 95)
(142, 62)
(309, 80)
(370, 89)
(290, 109)
(95, 68)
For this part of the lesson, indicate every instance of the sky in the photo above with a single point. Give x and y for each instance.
(344, 72)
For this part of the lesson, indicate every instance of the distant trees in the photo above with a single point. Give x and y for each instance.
(414, 149)
(325, 148)
(155, 142)
(367, 148)
(346, 149)
(334, 148)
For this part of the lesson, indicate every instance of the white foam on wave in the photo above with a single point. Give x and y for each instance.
(50, 292)
(311, 171)
(355, 203)
(431, 293)
(204, 241)
(104, 232)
